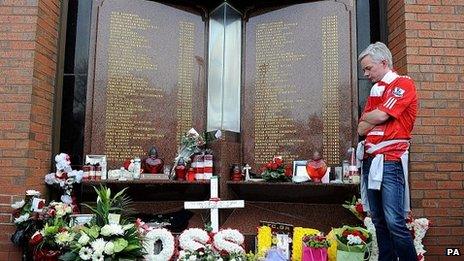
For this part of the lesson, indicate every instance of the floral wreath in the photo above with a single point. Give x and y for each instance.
(193, 239)
(229, 240)
(167, 241)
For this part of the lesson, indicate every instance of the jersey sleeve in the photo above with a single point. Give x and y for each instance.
(400, 96)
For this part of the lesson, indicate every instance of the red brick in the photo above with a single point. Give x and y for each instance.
(448, 148)
(449, 184)
(421, 184)
(453, 2)
(442, 9)
(436, 176)
(436, 194)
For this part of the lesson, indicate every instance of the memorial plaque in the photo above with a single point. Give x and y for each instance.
(147, 80)
(298, 91)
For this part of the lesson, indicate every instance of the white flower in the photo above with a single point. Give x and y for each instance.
(18, 204)
(354, 240)
(32, 192)
(229, 240)
(220, 259)
(62, 209)
(111, 229)
(50, 179)
(98, 246)
(97, 256)
(193, 258)
(109, 248)
(84, 239)
(21, 218)
(182, 254)
(85, 253)
(64, 237)
(66, 199)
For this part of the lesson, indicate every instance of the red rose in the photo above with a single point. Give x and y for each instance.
(288, 171)
(52, 212)
(41, 204)
(359, 208)
(278, 161)
(224, 253)
(36, 238)
(126, 164)
(274, 166)
(269, 165)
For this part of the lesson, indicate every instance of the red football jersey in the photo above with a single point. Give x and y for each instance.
(399, 101)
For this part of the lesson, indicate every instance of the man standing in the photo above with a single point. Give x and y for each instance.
(386, 122)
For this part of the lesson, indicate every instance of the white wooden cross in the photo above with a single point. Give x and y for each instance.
(214, 204)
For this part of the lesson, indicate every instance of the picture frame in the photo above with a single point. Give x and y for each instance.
(101, 160)
(80, 219)
(299, 168)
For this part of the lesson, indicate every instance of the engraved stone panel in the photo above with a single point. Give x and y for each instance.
(298, 84)
(147, 83)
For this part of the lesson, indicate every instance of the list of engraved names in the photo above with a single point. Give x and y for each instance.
(274, 130)
(127, 89)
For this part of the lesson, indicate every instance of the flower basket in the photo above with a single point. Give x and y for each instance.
(347, 247)
(350, 256)
(314, 254)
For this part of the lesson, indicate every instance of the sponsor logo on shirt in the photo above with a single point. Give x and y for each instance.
(398, 92)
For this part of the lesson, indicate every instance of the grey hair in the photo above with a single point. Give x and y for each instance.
(378, 52)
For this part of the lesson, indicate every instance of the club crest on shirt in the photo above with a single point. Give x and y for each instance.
(398, 92)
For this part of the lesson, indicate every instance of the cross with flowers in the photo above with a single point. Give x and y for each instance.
(214, 204)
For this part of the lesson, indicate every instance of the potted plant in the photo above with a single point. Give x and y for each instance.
(315, 247)
(275, 171)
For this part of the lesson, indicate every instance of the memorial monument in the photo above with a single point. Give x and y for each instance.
(158, 70)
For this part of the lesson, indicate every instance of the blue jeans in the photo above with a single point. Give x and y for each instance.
(386, 206)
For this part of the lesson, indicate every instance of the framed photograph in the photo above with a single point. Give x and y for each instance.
(80, 219)
(100, 159)
(299, 168)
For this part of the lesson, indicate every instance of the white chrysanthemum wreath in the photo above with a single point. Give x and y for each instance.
(418, 226)
(193, 239)
(167, 240)
(229, 240)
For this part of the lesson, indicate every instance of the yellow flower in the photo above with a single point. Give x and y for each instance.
(332, 250)
(298, 234)
(264, 240)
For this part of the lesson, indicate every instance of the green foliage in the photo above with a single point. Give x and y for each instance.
(119, 204)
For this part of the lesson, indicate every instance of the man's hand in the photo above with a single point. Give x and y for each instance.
(364, 127)
(375, 117)
(370, 120)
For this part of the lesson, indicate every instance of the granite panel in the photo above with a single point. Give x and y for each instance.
(146, 79)
(299, 92)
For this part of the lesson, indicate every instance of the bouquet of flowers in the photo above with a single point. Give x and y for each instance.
(315, 247)
(355, 206)
(352, 243)
(25, 219)
(190, 144)
(274, 171)
(56, 234)
(109, 234)
(316, 241)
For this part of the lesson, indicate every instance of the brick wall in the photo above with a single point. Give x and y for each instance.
(427, 39)
(28, 55)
